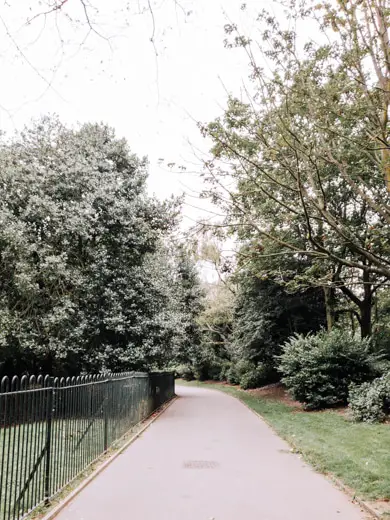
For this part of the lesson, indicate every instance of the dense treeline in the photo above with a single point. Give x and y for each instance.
(300, 166)
(91, 278)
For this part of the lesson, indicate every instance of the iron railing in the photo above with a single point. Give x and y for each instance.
(52, 429)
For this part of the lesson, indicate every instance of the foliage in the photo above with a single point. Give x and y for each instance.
(247, 374)
(225, 367)
(215, 326)
(184, 372)
(249, 380)
(187, 298)
(318, 369)
(208, 369)
(370, 401)
(381, 328)
(87, 278)
(267, 315)
(308, 151)
(216, 318)
(247, 326)
(232, 375)
(256, 377)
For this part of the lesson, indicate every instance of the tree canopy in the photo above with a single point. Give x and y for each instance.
(87, 278)
(308, 151)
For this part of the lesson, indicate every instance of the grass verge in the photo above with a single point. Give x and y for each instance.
(356, 453)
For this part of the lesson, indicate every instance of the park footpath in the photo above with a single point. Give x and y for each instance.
(208, 457)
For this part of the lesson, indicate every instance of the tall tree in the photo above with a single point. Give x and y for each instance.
(309, 150)
(189, 297)
(266, 315)
(77, 287)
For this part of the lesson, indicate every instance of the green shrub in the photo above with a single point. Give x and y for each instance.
(370, 402)
(238, 369)
(225, 367)
(185, 372)
(211, 369)
(318, 369)
(243, 366)
(232, 375)
(249, 380)
(202, 371)
(258, 376)
(214, 371)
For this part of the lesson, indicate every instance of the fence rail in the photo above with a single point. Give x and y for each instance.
(52, 429)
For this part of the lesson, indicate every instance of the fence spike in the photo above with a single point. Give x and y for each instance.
(4, 384)
(15, 383)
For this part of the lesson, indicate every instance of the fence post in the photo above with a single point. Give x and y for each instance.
(48, 442)
(105, 415)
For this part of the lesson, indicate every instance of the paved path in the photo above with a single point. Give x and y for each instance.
(209, 457)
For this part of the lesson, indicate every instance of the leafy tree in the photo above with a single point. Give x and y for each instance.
(188, 295)
(267, 315)
(216, 322)
(309, 152)
(216, 318)
(79, 286)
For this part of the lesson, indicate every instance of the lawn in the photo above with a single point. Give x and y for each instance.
(358, 454)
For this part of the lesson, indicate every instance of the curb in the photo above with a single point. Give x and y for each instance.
(368, 509)
(354, 498)
(57, 509)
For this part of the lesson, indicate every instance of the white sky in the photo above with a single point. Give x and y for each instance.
(151, 100)
(154, 101)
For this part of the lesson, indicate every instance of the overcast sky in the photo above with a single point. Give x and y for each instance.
(151, 92)
(48, 65)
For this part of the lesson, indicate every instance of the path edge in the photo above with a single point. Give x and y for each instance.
(334, 479)
(57, 509)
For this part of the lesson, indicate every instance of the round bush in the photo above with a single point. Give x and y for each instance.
(257, 377)
(250, 380)
(185, 372)
(370, 402)
(224, 371)
(318, 369)
(238, 369)
(232, 376)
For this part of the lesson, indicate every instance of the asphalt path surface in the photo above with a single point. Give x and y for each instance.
(208, 457)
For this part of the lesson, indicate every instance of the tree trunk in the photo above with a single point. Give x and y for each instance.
(328, 307)
(352, 323)
(366, 307)
(365, 318)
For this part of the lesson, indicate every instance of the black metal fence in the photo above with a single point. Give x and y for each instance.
(52, 429)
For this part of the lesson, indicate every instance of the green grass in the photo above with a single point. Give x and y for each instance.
(356, 453)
